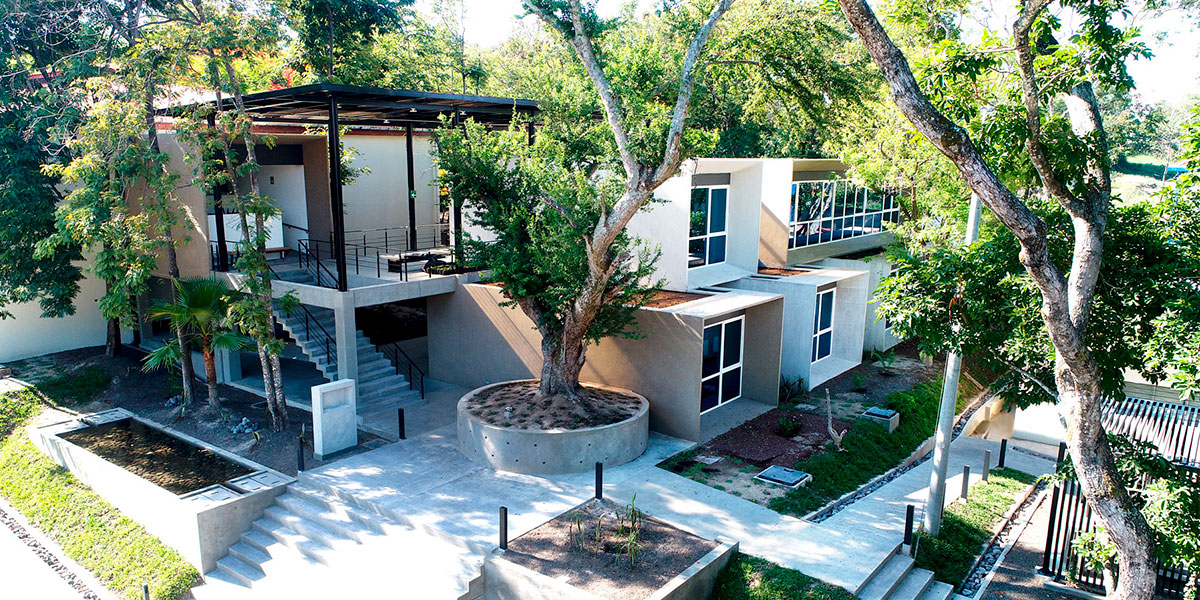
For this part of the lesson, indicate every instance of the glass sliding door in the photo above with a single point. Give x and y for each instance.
(721, 363)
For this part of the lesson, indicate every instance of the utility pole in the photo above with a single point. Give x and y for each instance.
(945, 428)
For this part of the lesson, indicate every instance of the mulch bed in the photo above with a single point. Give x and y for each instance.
(667, 298)
(759, 442)
(602, 566)
(518, 405)
(160, 458)
(782, 272)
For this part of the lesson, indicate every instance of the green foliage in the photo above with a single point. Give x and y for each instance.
(541, 208)
(75, 387)
(966, 527)
(118, 551)
(16, 408)
(870, 451)
(334, 35)
(788, 427)
(979, 300)
(751, 578)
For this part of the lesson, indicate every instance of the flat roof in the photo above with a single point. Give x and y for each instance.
(363, 105)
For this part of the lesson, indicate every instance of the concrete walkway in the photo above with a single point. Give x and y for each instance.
(427, 481)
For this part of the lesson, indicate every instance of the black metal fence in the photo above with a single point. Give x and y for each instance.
(1172, 428)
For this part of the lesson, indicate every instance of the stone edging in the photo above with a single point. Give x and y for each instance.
(64, 567)
(922, 453)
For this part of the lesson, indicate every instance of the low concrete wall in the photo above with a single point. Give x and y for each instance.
(510, 581)
(200, 525)
(546, 452)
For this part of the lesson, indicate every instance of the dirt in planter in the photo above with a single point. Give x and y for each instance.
(161, 458)
(782, 272)
(667, 298)
(567, 547)
(518, 405)
(762, 441)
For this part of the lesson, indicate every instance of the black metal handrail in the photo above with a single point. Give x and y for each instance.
(310, 320)
(401, 360)
(309, 258)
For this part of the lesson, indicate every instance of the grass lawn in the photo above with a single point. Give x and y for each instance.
(115, 549)
(869, 449)
(967, 526)
(750, 578)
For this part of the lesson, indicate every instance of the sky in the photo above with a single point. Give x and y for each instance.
(1171, 76)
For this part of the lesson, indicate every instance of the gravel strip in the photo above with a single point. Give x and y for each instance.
(1006, 536)
(48, 557)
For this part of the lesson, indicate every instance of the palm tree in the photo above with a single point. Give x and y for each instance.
(200, 313)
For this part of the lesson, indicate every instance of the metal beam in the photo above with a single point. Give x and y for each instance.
(412, 188)
(335, 195)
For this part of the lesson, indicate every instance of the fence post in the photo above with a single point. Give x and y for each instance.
(400, 421)
(1003, 453)
(299, 454)
(966, 480)
(1050, 527)
(987, 463)
(599, 481)
(1062, 453)
(504, 528)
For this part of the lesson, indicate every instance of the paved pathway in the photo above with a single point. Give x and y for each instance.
(26, 575)
(427, 480)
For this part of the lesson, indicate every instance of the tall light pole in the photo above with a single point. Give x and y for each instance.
(945, 427)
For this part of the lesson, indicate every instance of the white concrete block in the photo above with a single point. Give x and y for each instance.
(335, 422)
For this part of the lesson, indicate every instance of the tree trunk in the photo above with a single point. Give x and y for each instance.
(279, 417)
(112, 344)
(563, 356)
(210, 372)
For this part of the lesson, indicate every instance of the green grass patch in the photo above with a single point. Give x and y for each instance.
(751, 578)
(869, 451)
(76, 387)
(967, 526)
(118, 551)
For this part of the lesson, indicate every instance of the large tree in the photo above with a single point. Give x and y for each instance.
(1069, 163)
(646, 130)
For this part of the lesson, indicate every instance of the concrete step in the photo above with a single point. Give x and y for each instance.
(913, 585)
(240, 571)
(886, 579)
(284, 535)
(937, 591)
(310, 529)
(337, 518)
(219, 585)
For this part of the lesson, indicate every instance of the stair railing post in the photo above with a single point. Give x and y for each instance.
(1003, 453)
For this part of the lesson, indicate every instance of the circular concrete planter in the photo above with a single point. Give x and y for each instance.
(552, 451)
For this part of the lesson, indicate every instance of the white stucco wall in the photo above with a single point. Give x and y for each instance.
(379, 198)
(664, 223)
(877, 336)
(27, 334)
(285, 185)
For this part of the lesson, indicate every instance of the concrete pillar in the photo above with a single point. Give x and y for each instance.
(229, 366)
(345, 332)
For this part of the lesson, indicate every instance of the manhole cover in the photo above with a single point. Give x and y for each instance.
(784, 476)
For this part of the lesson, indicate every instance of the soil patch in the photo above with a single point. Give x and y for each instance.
(782, 272)
(569, 546)
(518, 405)
(146, 395)
(667, 298)
(777, 437)
(154, 455)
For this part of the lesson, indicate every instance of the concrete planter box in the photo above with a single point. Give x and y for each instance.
(202, 524)
(510, 581)
(887, 417)
(554, 451)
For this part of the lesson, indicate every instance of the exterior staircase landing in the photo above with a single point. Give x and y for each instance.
(898, 579)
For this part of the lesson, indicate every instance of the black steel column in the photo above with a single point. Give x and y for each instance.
(335, 195)
(529, 132)
(219, 217)
(412, 189)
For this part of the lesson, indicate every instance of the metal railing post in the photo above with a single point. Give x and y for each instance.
(400, 421)
(909, 515)
(599, 481)
(966, 480)
(1003, 453)
(1050, 528)
(504, 528)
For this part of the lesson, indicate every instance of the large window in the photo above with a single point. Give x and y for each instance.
(826, 211)
(822, 345)
(706, 238)
(721, 370)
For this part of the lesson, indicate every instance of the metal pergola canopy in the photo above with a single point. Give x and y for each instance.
(362, 105)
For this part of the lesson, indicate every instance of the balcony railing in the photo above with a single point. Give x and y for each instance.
(827, 211)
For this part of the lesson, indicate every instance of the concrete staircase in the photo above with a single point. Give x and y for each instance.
(312, 543)
(897, 579)
(380, 388)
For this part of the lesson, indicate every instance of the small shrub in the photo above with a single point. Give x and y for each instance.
(788, 427)
(858, 382)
